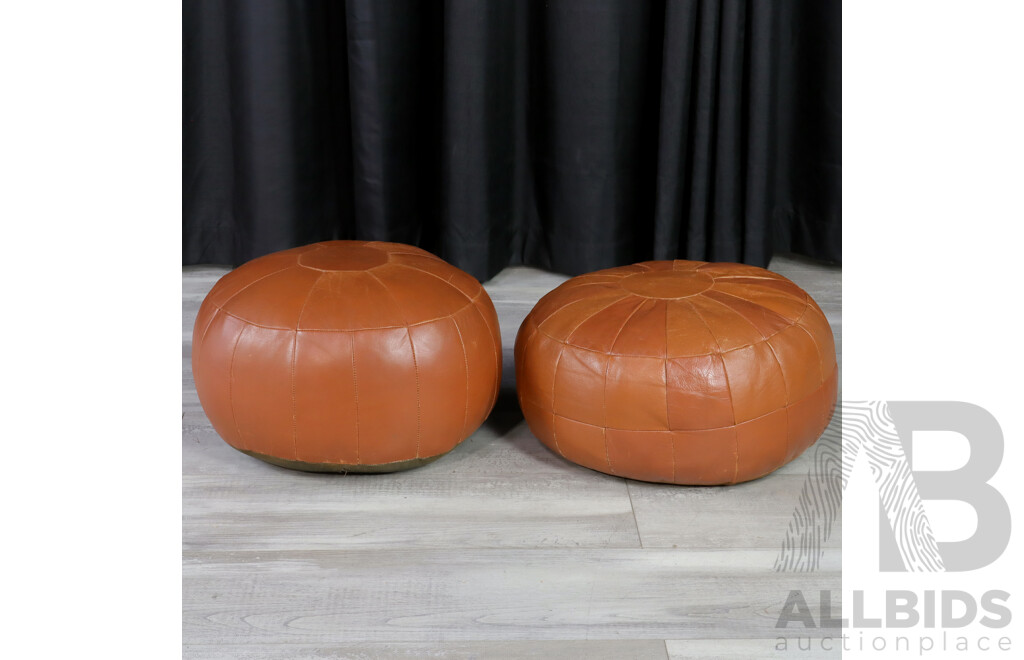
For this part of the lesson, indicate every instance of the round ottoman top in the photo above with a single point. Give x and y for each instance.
(677, 371)
(347, 356)
(345, 285)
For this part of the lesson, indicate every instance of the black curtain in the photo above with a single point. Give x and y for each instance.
(569, 135)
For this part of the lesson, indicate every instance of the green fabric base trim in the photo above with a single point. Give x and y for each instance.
(381, 468)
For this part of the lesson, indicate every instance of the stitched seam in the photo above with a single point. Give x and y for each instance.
(554, 386)
(380, 327)
(817, 348)
(797, 323)
(448, 281)
(753, 277)
(607, 365)
(719, 352)
(305, 302)
(295, 353)
(298, 258)
(779, 362)
(465, 358)
(419, 409)
(617, 334)
(740, 314)
(259, 279)
(668, 415)
(747, 300)
(497, 352)
(558, 360)
(196, 362)
(608, 457)
(415, 366)
(785, 386)
(788, 288)
(540, 332)
(355, 388)
(717, 428)
(202, 337)
(295, 443)
(231, 378)
(728, 388)
(574, 302)
(575, 283)
(389, 251)
(425, 255)
(594, 314)
(495, 345)
(565, 291)
(569, 285)
(604, 411)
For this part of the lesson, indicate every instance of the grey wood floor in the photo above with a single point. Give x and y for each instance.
(500, 549)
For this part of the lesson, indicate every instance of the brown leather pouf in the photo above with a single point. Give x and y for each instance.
(681, 372)
(347, 356)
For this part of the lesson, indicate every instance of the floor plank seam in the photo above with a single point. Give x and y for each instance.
(636, 522)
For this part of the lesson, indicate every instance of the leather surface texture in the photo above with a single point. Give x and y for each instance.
(347, 356)
(682, 372)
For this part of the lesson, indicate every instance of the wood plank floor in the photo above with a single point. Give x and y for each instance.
(500, 549)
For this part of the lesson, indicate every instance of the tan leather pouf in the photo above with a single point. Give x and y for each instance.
(681, 372)
(347, 356)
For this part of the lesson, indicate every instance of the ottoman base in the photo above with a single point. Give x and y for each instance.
(344, 468)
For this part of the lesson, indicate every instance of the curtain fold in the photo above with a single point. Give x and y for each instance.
(571, 135)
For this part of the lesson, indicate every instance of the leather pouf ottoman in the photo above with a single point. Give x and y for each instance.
(680, 372)
(347, 356)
